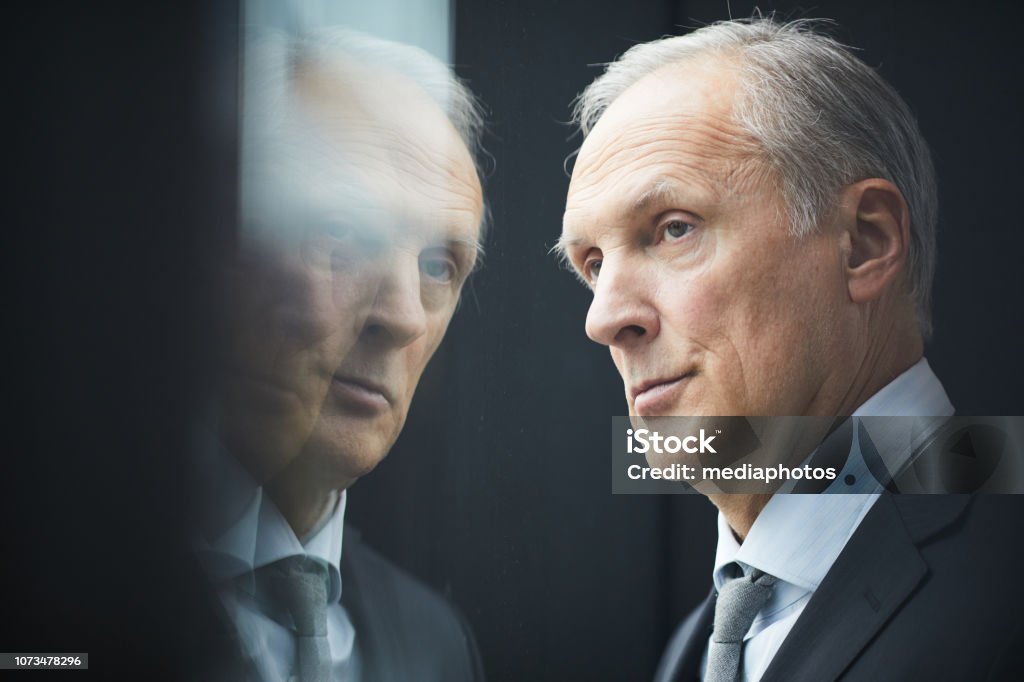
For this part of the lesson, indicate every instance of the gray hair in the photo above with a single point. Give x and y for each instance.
(823, 119)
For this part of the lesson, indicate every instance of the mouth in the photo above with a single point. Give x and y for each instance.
(654, 396)
(363, 395)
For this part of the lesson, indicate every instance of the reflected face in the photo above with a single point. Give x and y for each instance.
(362, 224)
(413, 242)
(708, 305)
(294, 308)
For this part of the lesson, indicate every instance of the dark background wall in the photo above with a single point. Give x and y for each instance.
(120, 193)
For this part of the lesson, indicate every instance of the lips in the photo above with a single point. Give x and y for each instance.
(362, 394)
(656, 396)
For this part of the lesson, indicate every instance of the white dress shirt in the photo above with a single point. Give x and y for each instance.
(797, 538)
(259, 537)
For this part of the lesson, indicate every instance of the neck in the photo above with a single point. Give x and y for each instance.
(301, 496)
(301, 517)
(740, 510)
(881, 351)
(892, 354)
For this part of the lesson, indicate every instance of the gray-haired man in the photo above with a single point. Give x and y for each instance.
(754, 210)
(361, 221)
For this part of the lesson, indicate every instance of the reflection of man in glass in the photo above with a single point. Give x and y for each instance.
(361, 212)
(754, 209)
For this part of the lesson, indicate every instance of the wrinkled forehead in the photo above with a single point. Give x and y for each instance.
(675, 121)
(366, 147)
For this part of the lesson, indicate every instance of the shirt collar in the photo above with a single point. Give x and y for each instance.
(261, 536)
(230, 554)
(797, 538)
(915, 393)
(228, 503)
(324, 543)
(275, 540)
(918, 406)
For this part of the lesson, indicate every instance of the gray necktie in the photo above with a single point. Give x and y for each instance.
(299, 587)
(738, 603)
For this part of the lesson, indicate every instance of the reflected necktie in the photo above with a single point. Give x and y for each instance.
(299, 587)
(738, 603)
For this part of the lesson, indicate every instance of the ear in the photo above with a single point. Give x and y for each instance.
(878, 228)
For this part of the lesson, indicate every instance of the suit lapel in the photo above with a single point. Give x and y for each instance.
(377, 649)
(878, 569)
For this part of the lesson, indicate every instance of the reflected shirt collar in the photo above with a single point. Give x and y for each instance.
(261, 536)
(275, 540)
(228, 502)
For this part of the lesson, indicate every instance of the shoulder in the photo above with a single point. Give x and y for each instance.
(968, 549)
(383, 582)
(402, 620)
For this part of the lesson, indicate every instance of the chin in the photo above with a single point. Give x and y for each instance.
(341, 455)
(356, 462)
(661, 461)
(339, 470)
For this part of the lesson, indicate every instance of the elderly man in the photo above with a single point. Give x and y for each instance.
(754, 210)
(361, 217)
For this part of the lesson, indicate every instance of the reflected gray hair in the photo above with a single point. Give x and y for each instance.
(270, 120)
(276, 53)
(823, 119)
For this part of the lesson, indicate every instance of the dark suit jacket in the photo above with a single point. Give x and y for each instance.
(404, 630)
(929, 587)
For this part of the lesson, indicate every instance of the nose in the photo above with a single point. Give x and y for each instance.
(397, 316)
(621, 314)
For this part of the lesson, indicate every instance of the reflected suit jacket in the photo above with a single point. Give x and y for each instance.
(929, 587)
(404, 630)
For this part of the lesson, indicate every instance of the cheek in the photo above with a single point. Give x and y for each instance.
(748, 319)
(699, 305)
(355, 287)
(779, 327)
(702, 307)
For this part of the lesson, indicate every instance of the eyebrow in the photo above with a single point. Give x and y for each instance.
(473, 246)
(465, 242)
(561, 250)
(659, 191)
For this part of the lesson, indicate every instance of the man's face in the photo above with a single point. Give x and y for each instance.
(292, 315)
(362, 224)
(419, 206)
(707, 303)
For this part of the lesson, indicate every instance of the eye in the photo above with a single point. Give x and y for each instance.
(354, 248)
(677, 229)
(438, 265)
(591, 270)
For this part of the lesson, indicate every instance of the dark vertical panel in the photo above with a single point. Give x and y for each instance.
(571, 583)
(121, 186)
